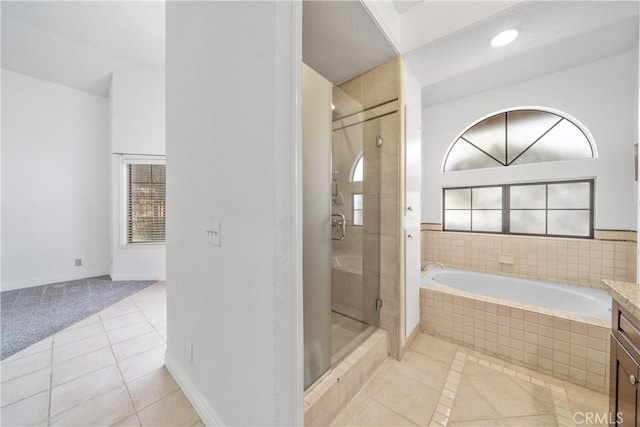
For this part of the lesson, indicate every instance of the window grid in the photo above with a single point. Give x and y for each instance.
(506, 209)
(480, 148)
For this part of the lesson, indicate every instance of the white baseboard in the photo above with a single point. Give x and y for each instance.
(207, 414)
(21, 284)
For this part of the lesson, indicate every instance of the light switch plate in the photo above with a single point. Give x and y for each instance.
(212, 231)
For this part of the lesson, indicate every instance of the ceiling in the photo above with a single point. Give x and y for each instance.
(80, 43)
(553, 36)
(444, 43)
(341, 40)
(411, 24)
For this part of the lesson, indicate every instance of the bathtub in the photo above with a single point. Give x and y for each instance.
(571, 299)
(559, 330)
(347, 285)
(347, 262)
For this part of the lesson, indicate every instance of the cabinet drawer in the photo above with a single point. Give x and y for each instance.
(627, 331)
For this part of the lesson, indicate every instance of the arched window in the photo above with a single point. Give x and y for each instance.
(357, 171)
(518, 137)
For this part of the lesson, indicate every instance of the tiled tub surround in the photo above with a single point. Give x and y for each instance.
(611, 255)
(567, 346)
(324, 400)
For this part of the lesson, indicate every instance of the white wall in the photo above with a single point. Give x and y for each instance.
(55, 188)
(137, 126)
(231, 157)
(411, 220)
(601, 95)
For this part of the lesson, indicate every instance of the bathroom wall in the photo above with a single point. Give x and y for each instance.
(55, 188)
(381, 234)
(606, 106)
(611, 255)
(231, 108)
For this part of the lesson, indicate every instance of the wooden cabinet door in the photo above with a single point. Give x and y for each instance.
(626, 387)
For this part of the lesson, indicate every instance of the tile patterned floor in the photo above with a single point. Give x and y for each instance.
(108, 370)
(105, 370)
(439, 383)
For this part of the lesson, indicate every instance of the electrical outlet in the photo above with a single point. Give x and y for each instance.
(78, 262)
(189, 352)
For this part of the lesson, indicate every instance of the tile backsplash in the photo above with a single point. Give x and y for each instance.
(611, 255)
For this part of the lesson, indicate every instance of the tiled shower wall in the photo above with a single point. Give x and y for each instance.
(381, 233)
(611, 255)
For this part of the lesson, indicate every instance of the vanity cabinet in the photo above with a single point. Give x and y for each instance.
(625, 367)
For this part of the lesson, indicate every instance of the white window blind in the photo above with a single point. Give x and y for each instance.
(146, 206)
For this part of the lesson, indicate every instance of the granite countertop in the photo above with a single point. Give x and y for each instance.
(626, 294)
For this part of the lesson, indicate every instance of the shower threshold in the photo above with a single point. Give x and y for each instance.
(347, 334)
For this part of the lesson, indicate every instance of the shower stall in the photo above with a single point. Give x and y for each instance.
(342, 222)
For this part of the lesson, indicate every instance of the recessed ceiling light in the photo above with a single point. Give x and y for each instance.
(504, 38)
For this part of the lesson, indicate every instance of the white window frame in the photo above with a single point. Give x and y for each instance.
(125, 161)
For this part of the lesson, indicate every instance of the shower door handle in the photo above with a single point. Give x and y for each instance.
(340, 222)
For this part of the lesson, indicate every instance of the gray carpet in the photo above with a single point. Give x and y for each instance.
(32, 314)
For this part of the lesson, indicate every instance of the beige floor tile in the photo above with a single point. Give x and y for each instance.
(30, 411)
(469, 405)
(84, 388)
(70, 335)
(152, 303)
(376, 414)
(538, 420)
(25, 386)
(158, 322)
(79, 366)
(377, 380)
(142, 364)
(507, 397)
(585, 400)
(476, 423)
(19, 367)
(436, 348)
(475, 369)
(38, 347)
(137, 345)
(85, 322)
(353, 408)
(131, 421)
(121, 308)
(105, 410)
(408, 397)
(198, 424)
(431, 372)
(122, 321)
(173, 410)
(130, 331)
(151, 388)
(78, 348)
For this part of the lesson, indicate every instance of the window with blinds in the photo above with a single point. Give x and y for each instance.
(147, 206)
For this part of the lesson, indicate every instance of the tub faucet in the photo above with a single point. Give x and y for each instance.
(428, 264)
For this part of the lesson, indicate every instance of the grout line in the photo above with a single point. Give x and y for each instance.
(135, 412)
